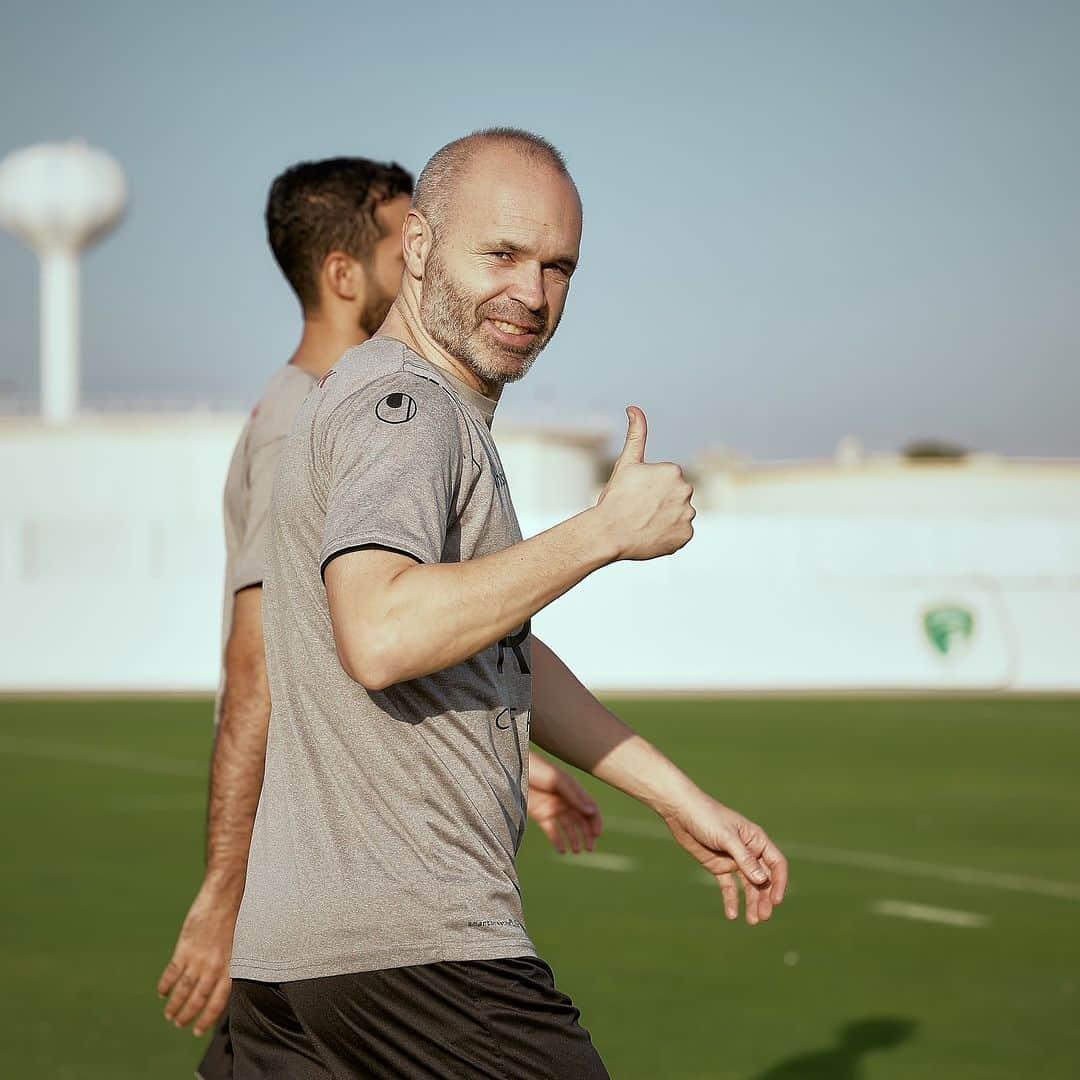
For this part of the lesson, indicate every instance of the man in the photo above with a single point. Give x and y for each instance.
(335, 230)
(381, 930)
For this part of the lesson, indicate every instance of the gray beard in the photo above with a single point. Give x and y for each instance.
(450, 318)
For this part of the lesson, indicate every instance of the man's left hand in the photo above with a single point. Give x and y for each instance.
(732, 849)
(562, 808)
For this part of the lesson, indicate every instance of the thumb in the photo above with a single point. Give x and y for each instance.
(746, 862)
(633, 451)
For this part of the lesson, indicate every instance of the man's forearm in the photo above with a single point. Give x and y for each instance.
(430, 617)
(236, 771)
(395, 620)
(236, 776)
(569, 722)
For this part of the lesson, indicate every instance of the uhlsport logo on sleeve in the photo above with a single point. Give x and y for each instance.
(948, 628)
(396, 409)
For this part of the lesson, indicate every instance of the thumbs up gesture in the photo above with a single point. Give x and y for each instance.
(647, 506)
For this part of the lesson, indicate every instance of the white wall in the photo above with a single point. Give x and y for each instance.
(111, 567)
(892, 487)
(111, 552)
(547, 472)
(760, 603)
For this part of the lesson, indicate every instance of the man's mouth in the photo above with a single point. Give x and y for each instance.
(512, 328)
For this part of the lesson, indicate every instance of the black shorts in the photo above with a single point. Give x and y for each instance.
(500, 1019)
(217, 1062)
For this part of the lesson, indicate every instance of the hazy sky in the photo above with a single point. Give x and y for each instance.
(802, 220)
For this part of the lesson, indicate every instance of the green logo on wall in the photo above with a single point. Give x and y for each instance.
(947, 627)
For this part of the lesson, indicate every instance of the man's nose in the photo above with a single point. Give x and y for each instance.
(528, 286)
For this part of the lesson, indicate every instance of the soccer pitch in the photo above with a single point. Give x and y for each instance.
(930, 931)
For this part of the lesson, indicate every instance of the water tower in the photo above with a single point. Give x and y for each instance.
(60, 198)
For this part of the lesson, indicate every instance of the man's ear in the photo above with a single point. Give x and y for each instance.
(341, 275)
(416, 239)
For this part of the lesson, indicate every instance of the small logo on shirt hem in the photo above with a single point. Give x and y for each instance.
(492, 924)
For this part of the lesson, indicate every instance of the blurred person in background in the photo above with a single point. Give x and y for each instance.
(334, 227)
(381, 932)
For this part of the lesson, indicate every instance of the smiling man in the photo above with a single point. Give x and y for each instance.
(381, 932)
(334, 227)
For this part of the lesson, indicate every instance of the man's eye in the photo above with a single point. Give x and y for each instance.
(503, 255)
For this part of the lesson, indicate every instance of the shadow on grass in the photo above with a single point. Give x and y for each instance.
(843, 1060)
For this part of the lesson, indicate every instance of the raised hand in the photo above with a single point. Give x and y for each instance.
(562, 808)
(732, 848)
(647, 506)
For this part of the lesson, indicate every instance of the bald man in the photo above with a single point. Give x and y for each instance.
(334, 228)
(381, 932)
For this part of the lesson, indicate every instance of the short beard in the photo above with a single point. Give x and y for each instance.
(376, 304)
(452, 320)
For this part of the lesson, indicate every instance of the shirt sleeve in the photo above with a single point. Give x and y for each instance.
(249, 565)
(393, 456)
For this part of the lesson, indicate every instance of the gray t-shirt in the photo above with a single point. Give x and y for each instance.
(248, 486)
(389, 821)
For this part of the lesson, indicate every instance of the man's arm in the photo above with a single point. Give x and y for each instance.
(197, 976)
(395, 619)
(569, 722)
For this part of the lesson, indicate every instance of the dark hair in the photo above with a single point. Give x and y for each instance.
(317, 207)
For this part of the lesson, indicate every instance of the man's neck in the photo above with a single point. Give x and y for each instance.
(323, 343)
(403, 324)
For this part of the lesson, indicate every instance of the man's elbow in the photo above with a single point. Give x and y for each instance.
(369, 661)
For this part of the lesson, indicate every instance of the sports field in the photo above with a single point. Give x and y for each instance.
(931, 929)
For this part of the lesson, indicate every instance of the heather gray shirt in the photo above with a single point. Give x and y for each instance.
(389, 821)
(247, 489)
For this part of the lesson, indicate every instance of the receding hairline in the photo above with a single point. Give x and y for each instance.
(441, 176)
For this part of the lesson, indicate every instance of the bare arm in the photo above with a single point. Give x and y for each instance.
(197, 977)
(239, 748)
(569, 722)
(395, 619)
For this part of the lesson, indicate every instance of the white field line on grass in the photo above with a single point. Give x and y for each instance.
(865, 860)
(599, 860)
(890, 864)
(901, 909)
(959, 875)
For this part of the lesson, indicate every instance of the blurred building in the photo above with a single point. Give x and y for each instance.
(111, 551)
(862, 574)
(942, 573)
(972, 486)
(858, 574)
(552, 468)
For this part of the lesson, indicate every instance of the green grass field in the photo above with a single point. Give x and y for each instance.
(876, 801)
